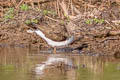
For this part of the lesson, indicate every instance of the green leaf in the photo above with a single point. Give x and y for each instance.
(24, 7)
(88, 21)
(27, 22)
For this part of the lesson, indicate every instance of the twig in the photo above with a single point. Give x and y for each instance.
(64, 8)
(109, 23)
(116, 22)
(72, 8)
(52, 19)
(106, 39)
(19, 4)
(58, 10)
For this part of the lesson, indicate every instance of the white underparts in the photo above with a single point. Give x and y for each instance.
(51, 42)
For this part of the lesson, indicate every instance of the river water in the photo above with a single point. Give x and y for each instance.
(17, 63)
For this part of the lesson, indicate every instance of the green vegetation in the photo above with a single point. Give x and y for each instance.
(46, 12)
(88, 21)
(99, 20)
(31, 21)
(24, 7)
(38, 9)
(27, 21)
(10, 11)
(65, 15)
(95, 20)
(34, 21)
(9, 14)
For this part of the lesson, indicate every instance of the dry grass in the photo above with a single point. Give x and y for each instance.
(64, 8)
(67, 9)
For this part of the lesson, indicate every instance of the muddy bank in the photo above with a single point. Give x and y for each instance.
(98, 27)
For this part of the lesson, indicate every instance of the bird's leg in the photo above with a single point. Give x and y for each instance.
(54, 50)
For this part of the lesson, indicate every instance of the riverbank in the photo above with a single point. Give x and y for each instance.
(97, 26)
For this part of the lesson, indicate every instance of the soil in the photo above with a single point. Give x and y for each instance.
(101, 37)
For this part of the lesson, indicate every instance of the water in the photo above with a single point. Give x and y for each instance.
(28, 64)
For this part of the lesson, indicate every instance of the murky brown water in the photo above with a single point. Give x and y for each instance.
(28, 64)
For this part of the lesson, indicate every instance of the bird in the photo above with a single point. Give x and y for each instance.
(50, 42)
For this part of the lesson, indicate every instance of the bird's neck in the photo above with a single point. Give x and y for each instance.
(40, 33)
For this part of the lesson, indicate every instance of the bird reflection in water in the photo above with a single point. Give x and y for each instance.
(56, 61)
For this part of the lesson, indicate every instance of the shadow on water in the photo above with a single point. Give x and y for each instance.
(28, 64)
